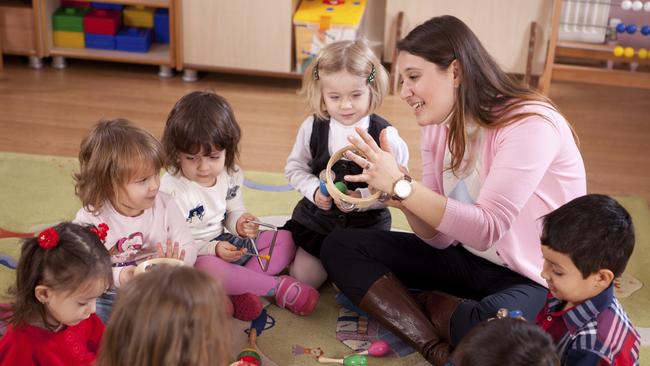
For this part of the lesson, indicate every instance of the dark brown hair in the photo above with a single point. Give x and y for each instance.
(201, 121)
(78, 259)
(507, 341)
(170, 316)
(112, 154)
(486, 93)
(594, 230)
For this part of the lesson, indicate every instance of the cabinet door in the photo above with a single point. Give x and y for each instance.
(503, 26)
(243, 34)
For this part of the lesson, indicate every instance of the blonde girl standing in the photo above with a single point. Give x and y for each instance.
(344, 86)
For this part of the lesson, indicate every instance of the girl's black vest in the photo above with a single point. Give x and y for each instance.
(323, 222)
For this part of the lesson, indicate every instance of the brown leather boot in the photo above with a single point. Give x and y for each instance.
(390, 303)
(440, 307)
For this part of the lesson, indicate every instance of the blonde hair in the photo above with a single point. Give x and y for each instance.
(112, 154)
(354, 57)
(171, 316)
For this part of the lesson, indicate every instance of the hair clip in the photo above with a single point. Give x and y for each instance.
(101, 230)
(48, 238)
(373, 73)
(316, 77)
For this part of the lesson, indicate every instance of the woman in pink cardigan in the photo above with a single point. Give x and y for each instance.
(496, 157)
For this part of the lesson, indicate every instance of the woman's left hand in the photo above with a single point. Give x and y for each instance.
(245, 227)
(380, 169)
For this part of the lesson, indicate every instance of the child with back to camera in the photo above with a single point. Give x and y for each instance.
(52, 320)
(344, 85)
(170, 316)
(118, 181)
(586, 244)
(201, 141)
(507, 341)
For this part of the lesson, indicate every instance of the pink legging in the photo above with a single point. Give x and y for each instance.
(237, 279)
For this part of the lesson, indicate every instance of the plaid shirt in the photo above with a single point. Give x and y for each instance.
(594, 332)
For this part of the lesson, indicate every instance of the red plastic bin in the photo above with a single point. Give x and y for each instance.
(102, 21)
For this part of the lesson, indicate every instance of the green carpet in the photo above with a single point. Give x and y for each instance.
(36, 191)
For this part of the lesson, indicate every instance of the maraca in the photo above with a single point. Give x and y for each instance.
(378, 348)
(353, 360)
(251, 356)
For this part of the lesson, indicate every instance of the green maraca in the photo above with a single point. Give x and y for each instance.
(352, 360)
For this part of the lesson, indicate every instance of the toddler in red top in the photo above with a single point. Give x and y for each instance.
(586, 244)
(52, 320)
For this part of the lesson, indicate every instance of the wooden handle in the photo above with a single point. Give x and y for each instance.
(322, 359)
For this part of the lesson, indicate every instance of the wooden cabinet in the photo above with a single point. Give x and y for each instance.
(20, 29)
(163, 55)
(241, 36)
(503, 26)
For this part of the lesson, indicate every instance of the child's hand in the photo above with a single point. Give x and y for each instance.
(246, 228)
(228, 252)
(322, 201)
(170, 251)
(127, 274)
(355, 194)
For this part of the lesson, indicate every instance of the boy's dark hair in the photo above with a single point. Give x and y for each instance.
(78, 257)
(201, 120)
(507, 341)
(595, 231)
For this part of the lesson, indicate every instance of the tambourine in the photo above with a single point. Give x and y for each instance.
(344, 201)
(150, 264)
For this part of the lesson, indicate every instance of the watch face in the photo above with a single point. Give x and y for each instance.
(403, 188)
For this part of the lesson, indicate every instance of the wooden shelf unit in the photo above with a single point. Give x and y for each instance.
(20, 28)
(163, 55)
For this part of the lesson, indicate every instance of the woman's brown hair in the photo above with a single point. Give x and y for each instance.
(112, 154)
(171, 316)
(486, 93)
(201, 121)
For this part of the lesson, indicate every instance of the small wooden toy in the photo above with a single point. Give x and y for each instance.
(378, 348)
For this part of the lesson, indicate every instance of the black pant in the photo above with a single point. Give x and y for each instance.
(356, 258)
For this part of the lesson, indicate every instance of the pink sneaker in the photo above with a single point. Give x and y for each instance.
(298, 297)
(247, 306)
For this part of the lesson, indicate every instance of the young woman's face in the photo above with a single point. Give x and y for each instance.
(430, 91)
(71, 307)
(346, 96)
(138, 194)
(203, 168)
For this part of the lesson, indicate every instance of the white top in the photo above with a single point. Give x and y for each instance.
(155, 225)
(297, 169)
(208, 210)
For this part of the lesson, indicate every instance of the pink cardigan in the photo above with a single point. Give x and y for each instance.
(529, 168)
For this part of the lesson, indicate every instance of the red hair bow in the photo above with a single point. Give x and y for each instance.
(48, 238)
(101, 230)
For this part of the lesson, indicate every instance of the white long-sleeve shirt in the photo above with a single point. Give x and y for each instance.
(297, 169)
(207, 210)
(156, 225)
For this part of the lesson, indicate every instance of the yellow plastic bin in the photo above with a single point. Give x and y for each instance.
(69, 39)
(138, 16)
(318, 23)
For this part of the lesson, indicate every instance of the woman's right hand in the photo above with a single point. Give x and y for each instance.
(228, 252)
(322, 201)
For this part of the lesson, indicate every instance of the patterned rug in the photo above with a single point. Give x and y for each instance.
(37, 191)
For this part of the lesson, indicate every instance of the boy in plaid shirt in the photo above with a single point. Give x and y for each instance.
(586, 244)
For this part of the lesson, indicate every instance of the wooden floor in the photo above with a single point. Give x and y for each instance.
(48, 111)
